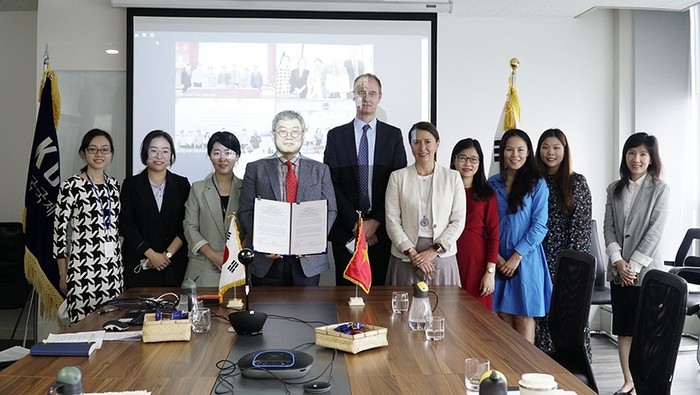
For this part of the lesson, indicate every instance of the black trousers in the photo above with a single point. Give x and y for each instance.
(286, 271)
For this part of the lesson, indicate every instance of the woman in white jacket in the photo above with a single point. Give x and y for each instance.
(425, 214)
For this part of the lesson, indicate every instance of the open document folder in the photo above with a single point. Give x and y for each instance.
(290, 228)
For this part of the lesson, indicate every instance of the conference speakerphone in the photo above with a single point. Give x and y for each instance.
(275, 364)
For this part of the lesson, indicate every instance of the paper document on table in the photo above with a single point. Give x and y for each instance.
(13, 353)
(120, 393)
(124, 336)
(78, 337)
(290, 228)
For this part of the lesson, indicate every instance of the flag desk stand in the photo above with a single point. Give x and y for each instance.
(235, 303)
(356, 301)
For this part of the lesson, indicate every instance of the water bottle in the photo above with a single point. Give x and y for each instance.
(420, 311)
(188, 296)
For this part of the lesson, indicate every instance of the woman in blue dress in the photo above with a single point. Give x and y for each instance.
(523, 288)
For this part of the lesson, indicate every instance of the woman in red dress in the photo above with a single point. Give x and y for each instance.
(477, 247)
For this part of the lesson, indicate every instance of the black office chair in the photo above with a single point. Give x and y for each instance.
(657, 332)
(684, 259)
(684, 249)
(14, 288)
(692, 276)
(601, 291)
(568, 313)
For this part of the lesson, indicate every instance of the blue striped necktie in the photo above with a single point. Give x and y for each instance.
(363, 171)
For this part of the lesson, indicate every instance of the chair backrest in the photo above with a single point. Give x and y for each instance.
(597, 252)
(657, 332)
(683, 250)
(690, 274)
(13, 284)
(569, 310)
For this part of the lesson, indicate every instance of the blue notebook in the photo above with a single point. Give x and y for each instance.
(82, 349)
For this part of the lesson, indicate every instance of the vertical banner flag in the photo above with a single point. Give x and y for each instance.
(43, 181)
(510, 116)
(232, 271)
(358, 270)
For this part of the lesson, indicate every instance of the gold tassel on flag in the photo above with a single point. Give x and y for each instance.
(510, 116)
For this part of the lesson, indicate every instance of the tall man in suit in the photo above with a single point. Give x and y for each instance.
(361, 155)
(291, 177)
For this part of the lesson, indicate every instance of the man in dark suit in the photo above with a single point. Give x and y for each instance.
(361, 155)
(274, 178)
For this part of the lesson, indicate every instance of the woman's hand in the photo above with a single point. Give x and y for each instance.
(157, 260)
(62, 269)
(627, 276)
(62, 284)
(424, 257)
(508, 267)
(487, 284)
(217, 259)
(428, 269)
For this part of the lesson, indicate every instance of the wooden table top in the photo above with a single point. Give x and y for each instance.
(409, 365)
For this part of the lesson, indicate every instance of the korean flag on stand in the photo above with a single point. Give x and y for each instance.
(232, 271)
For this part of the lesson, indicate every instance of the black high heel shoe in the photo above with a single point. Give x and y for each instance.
(624, 393)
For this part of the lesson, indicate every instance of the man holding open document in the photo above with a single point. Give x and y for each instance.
(287, 205)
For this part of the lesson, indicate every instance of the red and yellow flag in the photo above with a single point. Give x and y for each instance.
(358, 270)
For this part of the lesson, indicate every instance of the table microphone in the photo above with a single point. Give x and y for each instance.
(248, 322)
(69, 381)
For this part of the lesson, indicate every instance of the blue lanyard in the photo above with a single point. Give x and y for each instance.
(106, 214)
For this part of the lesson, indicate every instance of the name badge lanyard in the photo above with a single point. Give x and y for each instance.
(106, 214)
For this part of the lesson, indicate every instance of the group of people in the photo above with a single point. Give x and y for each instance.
(498, 238)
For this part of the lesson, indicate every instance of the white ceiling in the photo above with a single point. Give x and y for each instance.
(485, 8)
(570, 8)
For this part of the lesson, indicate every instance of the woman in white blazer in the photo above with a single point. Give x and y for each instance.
(425, 214)
(635, 213)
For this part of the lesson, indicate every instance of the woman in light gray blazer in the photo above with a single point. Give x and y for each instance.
(635, 214)
(208, 211)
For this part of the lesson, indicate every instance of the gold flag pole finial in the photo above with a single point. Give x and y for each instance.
(46, 57)
(514, 64)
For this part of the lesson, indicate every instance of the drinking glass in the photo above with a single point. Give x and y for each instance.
(474, 368)
(399, 302)
(435, 328)
(201, 320)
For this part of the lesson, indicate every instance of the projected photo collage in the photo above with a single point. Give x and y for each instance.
(239, 87)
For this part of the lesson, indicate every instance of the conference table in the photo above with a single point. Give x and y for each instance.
(408, 365)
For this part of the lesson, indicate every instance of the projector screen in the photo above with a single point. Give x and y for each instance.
(196, 72)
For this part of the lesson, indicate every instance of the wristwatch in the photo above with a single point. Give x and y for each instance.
(491, 269)
(168, 254)
(438, 247)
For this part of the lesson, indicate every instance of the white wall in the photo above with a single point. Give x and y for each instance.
(569, 78)
(565, 80)
(662, 108)
(18, 95)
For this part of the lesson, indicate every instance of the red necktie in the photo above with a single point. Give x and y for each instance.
(291, 182)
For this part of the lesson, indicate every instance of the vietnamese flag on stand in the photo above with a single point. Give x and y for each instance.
(358, 270)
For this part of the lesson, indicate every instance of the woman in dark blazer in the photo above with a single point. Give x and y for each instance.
(635, 214)
(153, 209)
